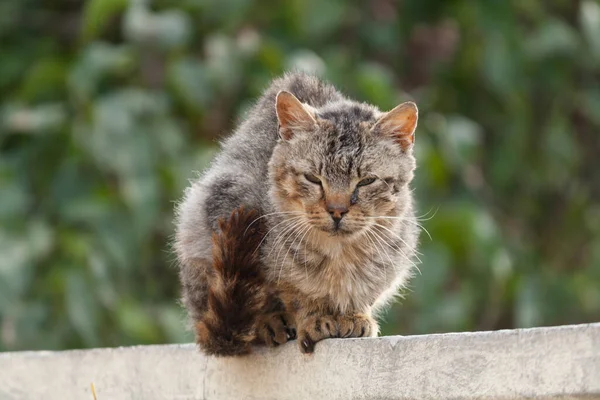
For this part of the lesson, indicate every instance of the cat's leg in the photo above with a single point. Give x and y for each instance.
(275, 326)
(348, 325)
(317, 320)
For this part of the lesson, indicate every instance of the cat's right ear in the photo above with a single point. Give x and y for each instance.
(292, 115)
(399, 124)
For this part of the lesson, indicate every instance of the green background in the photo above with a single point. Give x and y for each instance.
(107, 107)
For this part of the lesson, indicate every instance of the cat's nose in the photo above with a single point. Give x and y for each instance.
(337, 212)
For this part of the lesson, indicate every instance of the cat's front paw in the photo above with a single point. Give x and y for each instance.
(315, 329)
(275, 328)
(357, 325)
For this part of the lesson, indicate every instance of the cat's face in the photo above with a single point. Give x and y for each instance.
(340, 168)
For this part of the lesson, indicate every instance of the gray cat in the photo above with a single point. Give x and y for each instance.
(303, 226)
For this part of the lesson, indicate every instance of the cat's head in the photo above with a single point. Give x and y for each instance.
(339, 167)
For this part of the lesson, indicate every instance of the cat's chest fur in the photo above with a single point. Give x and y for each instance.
(345, 274)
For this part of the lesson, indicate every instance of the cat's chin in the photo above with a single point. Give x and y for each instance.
(339, 233)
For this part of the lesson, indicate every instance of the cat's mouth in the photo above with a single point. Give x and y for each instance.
(339, 230)
(337, 227)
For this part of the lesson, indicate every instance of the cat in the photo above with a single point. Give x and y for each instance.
(303, 226)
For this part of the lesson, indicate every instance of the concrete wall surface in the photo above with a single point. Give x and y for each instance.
(542, 363)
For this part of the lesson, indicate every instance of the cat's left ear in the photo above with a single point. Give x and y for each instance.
(292, 115)
(399, 124)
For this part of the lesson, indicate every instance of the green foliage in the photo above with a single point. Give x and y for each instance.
(107, 107)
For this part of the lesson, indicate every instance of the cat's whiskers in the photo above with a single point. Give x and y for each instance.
(298, 232)
(418, 225)
(368, 235)
(403, 219)
(309, 229)
(383, 244)
(420, 218)
(273, 213)
(395, 247)
(287, 221)
(303, 235)
(305, 253)
(283, 243)
(290, 221)
(284, 233)
(388, 240)
(280, 241)
(399, 238)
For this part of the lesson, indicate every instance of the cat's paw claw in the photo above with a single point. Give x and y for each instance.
(291, 333)
(357, 325)
(315, 329)
(307, 345)
(275, 329)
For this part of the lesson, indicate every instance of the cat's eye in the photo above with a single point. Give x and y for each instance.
(312, 178)
(366, 181)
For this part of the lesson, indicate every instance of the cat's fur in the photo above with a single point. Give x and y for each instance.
(309, 273)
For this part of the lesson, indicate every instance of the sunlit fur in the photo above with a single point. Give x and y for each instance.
(356, 268)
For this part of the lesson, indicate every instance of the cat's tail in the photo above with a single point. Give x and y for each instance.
(236, 287)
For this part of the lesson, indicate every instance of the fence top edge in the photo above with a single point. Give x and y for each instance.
(499, 334)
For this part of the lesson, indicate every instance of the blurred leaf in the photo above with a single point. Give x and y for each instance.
(167, 29)
(98, 61)
(190, 84)
(591, 103)
(499, 64)
(97, 14)
(45, 80)
(82, 307)
(590, 23)
(460, 140)
(20, 252)
(317, 19)
(38, 120)
(15, 197)
(137, 323)
(223, 63)
(528, 304)
(554, 38)
(307, 61)
(172, 318)
(376, 84)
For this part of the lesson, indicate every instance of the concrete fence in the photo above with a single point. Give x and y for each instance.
(542, 363)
